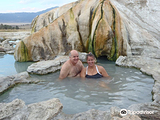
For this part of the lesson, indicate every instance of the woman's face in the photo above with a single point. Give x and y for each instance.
(90, 61)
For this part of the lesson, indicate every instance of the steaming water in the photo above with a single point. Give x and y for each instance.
(127, 86)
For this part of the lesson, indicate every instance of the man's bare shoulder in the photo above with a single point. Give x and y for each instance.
(80, 63)
(66, 64)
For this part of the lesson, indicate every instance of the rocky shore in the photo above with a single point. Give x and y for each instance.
(52, 110)
(8, 40)
(10, 81)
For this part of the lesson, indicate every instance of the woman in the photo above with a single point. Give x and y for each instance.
(92, 70)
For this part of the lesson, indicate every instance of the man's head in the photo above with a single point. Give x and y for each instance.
(74, 56)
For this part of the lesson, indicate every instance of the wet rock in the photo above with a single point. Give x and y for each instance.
(17, 110)
(49, 66)
(10, 81)
(6, 45)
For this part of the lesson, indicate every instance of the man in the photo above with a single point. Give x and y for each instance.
(72, 67)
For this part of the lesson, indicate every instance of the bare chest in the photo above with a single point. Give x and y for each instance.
(74, 71)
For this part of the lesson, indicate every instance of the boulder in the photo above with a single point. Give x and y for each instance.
(17, 110)
(49, 66)
(7, 110)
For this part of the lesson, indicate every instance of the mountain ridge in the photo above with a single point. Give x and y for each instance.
(21, 17)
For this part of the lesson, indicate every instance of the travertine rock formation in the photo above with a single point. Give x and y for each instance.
(106, 28)
(47, 18)
(90, 25)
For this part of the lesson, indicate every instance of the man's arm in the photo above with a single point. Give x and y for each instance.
(64, 71)
(83, 73)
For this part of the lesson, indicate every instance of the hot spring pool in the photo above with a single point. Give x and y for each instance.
(127, 86)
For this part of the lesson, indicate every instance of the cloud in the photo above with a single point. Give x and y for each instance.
(29, 9)
(28, 1)
(24, 1)
(47, 2)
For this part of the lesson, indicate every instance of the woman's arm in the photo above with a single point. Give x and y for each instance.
(103, 71)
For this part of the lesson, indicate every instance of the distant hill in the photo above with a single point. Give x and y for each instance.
(21, 17)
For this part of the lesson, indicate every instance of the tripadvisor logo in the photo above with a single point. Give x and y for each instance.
(123, 112)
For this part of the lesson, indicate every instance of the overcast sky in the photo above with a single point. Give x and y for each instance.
(29, 5)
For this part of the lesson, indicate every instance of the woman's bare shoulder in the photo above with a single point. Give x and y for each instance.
(100, 67)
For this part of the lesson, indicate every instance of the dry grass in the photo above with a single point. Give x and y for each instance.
(22, 27)
(14, 30)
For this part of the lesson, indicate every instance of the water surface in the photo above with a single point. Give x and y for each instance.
(127, 86)
(8, 65)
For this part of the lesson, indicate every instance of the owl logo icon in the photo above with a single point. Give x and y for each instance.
(123, 112)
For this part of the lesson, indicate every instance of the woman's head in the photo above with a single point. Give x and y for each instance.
(90, 59)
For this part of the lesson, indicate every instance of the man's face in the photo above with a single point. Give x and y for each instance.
(74, 58)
